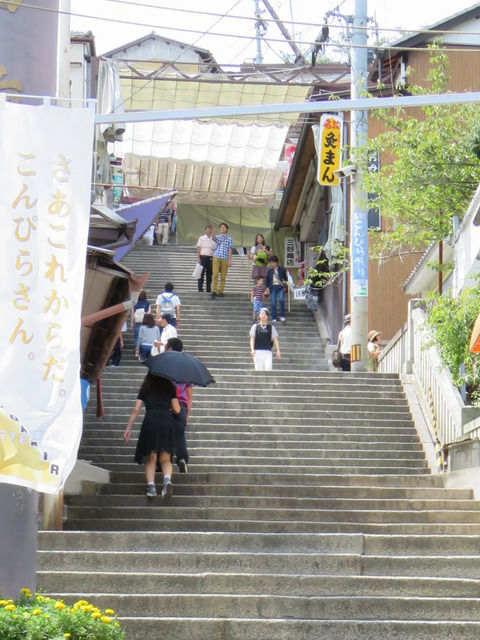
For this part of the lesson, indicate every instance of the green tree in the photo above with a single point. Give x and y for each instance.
(434, 169)
(451, 320)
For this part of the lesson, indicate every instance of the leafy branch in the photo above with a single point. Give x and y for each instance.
(328, 270)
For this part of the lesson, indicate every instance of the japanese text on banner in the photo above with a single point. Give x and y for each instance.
(44, 193)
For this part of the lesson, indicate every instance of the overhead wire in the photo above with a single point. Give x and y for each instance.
(181, 54)
(272, 21)
(341, 45)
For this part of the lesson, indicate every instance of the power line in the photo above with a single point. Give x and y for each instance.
(155, 75)
(341, 45)
(315, 25)
(294, 23)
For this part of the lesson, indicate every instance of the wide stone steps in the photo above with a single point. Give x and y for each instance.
(243, 446)
(261, 456)
(196, 525)
(366, 467)
(308, 510)
(273, 606)
(284, 502)
(244, 583)
(274, 514)
(261, 628)
(382, 493)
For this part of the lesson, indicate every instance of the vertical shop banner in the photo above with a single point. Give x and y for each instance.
(292, 254)
(330, 152)
(45, 172)
(359, 250)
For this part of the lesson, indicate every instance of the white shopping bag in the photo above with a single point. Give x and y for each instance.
(197, 272)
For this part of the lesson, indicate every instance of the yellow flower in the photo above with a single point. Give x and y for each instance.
(109, 612)
(105, 619)
(3, 603)
(36, 612)
(10, 607)
(26, 614)
(26, 592)
(47, 616)
(67, 635)
(96, 614)
(59, 605)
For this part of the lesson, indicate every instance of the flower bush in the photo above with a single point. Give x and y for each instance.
(38, 617)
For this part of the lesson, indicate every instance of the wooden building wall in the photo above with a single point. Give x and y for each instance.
(387, 305)
(462, 69)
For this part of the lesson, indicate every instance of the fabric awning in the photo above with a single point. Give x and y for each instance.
(203, 184)
(145, 87)
(235, 145)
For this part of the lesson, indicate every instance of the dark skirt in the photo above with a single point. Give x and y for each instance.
(259, 271)
(156, 435)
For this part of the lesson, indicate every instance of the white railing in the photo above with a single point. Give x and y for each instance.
(409, 352)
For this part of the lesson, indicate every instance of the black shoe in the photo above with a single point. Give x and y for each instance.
(222, 295)
(214, 295)
(182, 466)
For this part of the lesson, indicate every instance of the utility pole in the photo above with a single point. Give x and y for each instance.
(259, 31)
(358, 197)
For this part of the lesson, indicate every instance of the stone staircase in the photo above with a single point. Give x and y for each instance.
(308, 510)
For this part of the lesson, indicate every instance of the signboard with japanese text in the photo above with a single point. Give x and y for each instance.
(292, 256)
(330, 149)
(359, 247)
(45, 172)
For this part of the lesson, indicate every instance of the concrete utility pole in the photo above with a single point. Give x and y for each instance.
(259, 30)
(358, 197)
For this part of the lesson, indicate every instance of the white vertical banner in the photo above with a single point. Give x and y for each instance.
(45, 174)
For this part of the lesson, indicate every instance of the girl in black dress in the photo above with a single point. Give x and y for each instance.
(156, 439)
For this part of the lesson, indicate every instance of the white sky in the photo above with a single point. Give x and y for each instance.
(231, 48)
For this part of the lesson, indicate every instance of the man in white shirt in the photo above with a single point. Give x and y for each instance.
(168, 302)
(205, 248)
(168, 330)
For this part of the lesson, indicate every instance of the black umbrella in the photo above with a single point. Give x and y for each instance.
(180, 367)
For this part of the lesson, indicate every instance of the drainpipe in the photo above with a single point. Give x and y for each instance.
(408, 364)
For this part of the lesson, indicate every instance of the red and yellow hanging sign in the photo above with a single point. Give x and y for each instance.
(330, 149)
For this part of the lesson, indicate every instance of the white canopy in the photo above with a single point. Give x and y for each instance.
(235, 145)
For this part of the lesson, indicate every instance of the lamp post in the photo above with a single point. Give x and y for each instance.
(358, 197)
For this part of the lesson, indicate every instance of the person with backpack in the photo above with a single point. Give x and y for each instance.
(259, 255)
(141, 307)
(169, 302)
(263, 336)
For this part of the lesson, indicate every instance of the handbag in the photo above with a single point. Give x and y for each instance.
(197, 272)
(138, 315)
(336, 358)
